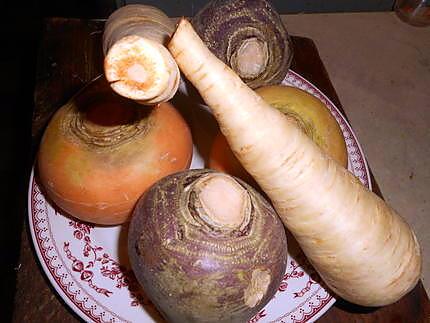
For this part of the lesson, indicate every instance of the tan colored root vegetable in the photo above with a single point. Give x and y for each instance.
(248, 36)
(206, 248)
(361, 247)
(137, 63)
(311, 115)
(100, 152)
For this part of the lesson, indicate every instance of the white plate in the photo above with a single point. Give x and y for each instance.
(88, 265)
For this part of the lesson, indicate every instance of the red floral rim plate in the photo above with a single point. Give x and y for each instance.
(88, 265)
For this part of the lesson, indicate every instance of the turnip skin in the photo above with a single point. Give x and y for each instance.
(231, 27)
(197, 272)
(100, 152)
(312, 116)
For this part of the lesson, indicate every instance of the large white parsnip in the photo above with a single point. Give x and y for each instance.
(360, 246)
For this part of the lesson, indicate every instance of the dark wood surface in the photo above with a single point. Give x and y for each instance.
(70, 56)
(190, 7)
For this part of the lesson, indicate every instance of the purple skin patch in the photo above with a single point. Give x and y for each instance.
(192, 271)
(224, 24)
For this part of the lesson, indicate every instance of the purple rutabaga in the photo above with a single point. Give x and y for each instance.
(206, 247)
(249, 36)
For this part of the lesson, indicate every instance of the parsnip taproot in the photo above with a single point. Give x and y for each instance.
(360, 246)
(137, 64)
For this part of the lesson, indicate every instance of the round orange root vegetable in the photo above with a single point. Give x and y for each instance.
(309, 113)
(100, 152)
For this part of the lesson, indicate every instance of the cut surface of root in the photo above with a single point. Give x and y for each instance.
(250, 59)
(142, 70)
(224, 201)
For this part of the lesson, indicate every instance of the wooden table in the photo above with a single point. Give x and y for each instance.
(70, 55)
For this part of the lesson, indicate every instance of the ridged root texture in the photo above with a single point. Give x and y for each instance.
(211, 243)
(98, 136)
(249, 36)
(107, 122)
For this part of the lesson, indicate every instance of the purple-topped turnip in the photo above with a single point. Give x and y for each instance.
(206, 247)
(248, 36)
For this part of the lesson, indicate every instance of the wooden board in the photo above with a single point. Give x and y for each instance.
(189, 8)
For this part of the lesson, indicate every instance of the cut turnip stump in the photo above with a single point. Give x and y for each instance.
(137, 64)
(249, 36)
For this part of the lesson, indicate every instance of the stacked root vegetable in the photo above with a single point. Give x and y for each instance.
(206, 245)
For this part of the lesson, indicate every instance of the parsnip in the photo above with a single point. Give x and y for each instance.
(137, 64)
(361, 247)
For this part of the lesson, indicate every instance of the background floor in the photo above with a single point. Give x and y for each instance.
(380, 68)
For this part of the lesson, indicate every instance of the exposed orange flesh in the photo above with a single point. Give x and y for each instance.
(221, 158)
(124, 69)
